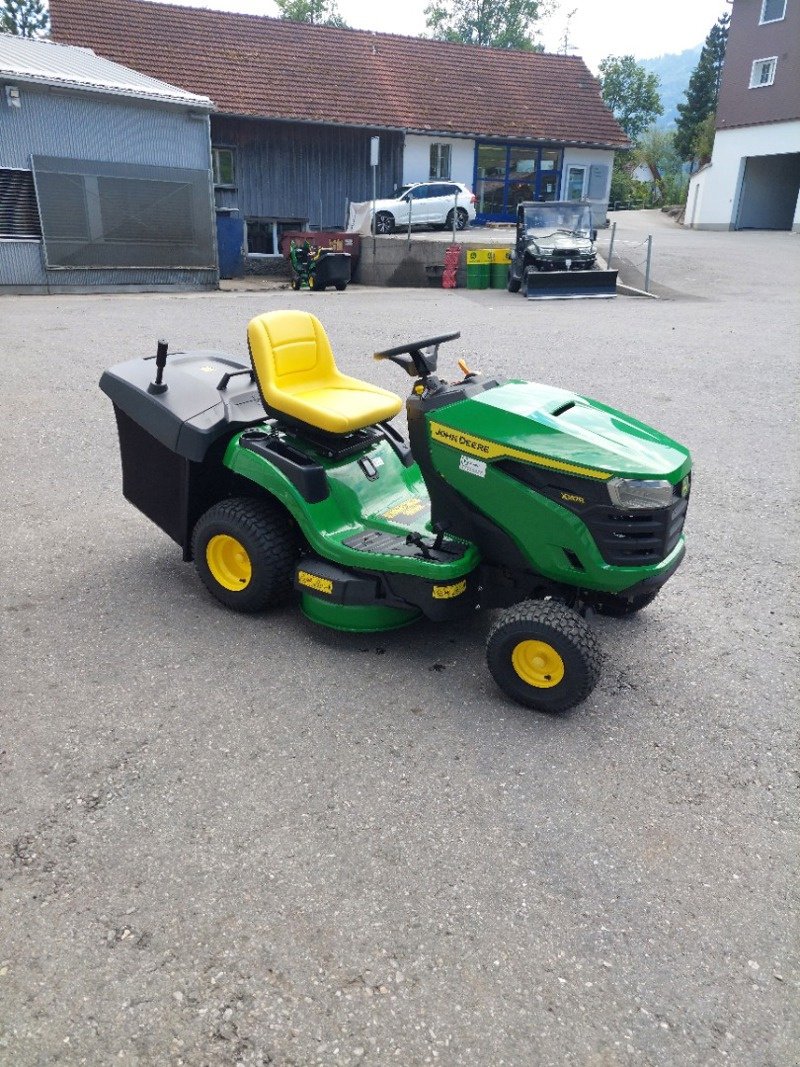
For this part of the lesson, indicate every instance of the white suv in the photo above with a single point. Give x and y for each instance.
(429, 204)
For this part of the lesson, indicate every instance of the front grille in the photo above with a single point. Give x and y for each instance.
(636, 538)
(624, 538)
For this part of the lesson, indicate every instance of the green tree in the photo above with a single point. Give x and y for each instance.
(24, 18)
(703, 90)
(703, 142)
(631, 93)
(490, 23)
(317, 12)
(655, 149)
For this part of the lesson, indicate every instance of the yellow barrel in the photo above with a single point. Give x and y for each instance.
(479, 256)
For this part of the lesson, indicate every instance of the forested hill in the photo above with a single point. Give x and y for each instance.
(673, 72)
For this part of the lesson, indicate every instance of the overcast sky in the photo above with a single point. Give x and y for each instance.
(643, 28)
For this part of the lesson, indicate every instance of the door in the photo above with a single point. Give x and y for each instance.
(419, 206)
(576, 183)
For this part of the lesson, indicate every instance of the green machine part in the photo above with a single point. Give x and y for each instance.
(498, 446)
(394, 502)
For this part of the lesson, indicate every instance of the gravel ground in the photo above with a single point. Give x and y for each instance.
(250, 841)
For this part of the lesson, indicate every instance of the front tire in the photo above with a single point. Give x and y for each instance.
(513, 283)
(245, 552)
(543, 655)
(384, 222)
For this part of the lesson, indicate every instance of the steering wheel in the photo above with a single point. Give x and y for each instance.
(417, 363)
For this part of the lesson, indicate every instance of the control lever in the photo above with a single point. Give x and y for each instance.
(441, 529)
(416, 539)
(159, 386)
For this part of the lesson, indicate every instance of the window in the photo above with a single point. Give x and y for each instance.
(772, 11)
(440, 161)
(19, 213)
(222, 166)
(509, 175)
(763, 72)
(264, 235)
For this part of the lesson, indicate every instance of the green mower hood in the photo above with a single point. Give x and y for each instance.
(560, 430)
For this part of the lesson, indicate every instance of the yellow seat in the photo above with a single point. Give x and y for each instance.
(298, 377)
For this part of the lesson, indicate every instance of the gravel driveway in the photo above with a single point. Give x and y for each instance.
(233, 840)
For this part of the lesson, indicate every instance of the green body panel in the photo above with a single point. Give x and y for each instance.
(518, 414)
(586, 437)
(542, 530)
(396, 502)
(355, 618)
(552, 429)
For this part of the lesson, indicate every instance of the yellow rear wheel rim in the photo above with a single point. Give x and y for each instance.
(538, 664)
(229, 562)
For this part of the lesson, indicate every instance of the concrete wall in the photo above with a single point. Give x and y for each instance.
(417, 158)
(721, 183)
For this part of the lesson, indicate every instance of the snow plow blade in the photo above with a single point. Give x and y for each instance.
(570, 284)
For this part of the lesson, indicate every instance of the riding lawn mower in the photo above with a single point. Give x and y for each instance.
(288, 477)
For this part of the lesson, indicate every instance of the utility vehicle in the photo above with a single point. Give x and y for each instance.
(288, 474)
(555, 252)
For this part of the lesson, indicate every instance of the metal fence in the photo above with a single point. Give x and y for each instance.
(633, 256)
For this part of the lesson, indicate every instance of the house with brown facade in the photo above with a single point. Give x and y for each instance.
(753, 179)
(296, 106)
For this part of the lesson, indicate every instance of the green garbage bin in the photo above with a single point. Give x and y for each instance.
(478, 268)
(501, 261)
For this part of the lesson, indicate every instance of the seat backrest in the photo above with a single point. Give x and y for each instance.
(288, 349)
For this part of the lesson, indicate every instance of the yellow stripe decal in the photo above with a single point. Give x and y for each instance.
(313, 581)
(479, 446)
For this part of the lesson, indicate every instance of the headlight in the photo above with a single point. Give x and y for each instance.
(630, 493)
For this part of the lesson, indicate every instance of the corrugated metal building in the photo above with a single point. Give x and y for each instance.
(105, 175)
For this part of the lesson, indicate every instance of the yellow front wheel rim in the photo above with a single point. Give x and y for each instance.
(229, 562)
(538, 664)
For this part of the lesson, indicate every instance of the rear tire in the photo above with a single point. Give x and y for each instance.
(543, 655)
(619, 607)
(462, 218)
(341, 286)
(514, 283)
(245, 552)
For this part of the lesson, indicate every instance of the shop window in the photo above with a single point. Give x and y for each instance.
(222, 163)
(440, 161)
